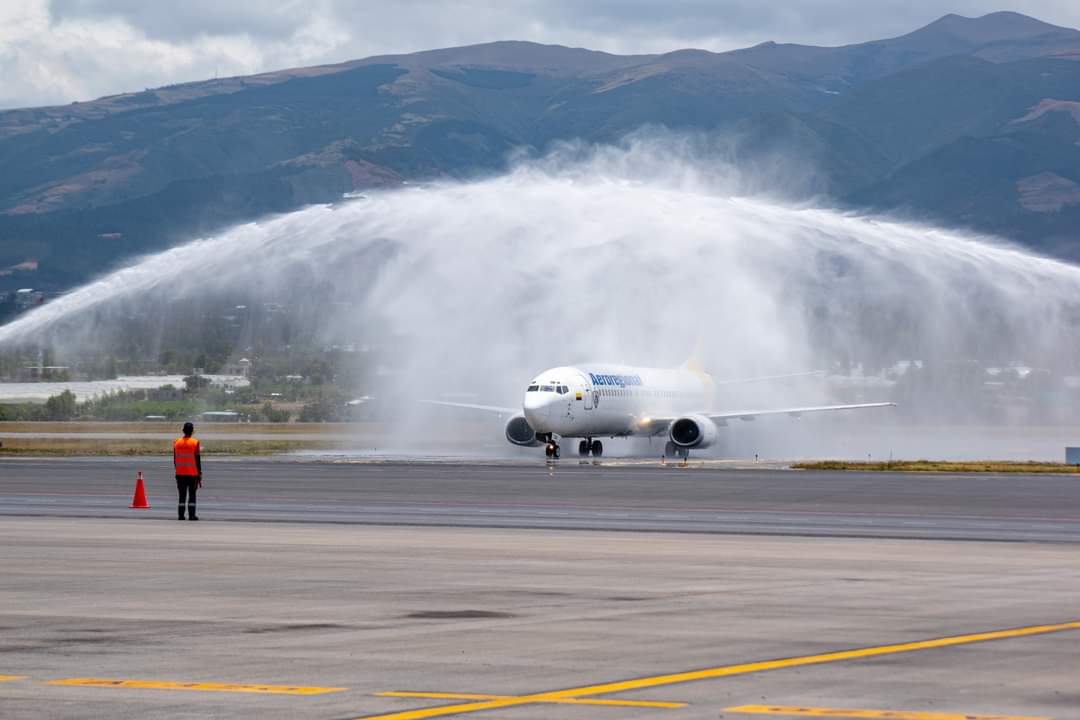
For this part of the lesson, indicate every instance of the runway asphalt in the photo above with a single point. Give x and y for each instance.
(110, 618)
(520, 591)
(614, 495)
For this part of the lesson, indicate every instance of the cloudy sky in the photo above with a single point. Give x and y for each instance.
(56, 51)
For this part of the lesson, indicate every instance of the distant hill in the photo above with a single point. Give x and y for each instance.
(972, 122)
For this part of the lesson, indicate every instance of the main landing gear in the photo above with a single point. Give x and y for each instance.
(585, 448)
(590, 447)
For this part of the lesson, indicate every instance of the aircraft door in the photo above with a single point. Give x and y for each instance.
(584, 392)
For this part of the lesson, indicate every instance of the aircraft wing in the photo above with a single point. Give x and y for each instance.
(656, 425)
(721, 418)
(470, 406)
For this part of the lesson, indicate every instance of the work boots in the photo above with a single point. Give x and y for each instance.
(180, 512)
(190, 512)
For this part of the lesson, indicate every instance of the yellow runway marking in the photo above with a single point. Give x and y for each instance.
(200, 686)
(9, 678)
(796, 711)
(723, 671)
(568, 701)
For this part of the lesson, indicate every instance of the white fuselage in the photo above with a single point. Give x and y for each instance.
(602, 400)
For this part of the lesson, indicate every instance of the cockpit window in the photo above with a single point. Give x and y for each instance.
(547, 388)
(562, 390)
(533, 388)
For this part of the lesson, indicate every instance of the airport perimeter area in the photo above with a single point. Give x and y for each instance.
(428, 590)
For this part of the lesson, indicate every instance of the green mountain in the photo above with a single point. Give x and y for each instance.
(996, 147)
(971, 122)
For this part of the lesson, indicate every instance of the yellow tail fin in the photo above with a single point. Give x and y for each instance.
(694, 362)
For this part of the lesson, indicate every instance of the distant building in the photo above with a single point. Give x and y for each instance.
(361, 408)
(165, 393)
(27, 298)
(223, 416)
(240, 368)
(46, 372)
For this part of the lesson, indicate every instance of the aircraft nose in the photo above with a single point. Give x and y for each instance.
(537, 408)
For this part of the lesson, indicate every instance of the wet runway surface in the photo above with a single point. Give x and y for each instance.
(519, 591)
(124, 618)
(615, 495)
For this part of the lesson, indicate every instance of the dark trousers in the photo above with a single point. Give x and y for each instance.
(186, 486)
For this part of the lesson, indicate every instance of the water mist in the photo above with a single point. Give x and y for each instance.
(630, 254)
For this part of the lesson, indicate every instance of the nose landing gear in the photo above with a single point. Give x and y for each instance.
(590, 447)
(552, 448)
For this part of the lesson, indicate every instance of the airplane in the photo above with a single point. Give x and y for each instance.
(599, 400)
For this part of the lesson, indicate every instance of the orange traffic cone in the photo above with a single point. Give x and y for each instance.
(139, 501)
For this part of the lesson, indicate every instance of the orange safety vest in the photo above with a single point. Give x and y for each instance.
(184, 451)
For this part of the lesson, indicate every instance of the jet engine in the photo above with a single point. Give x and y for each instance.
(692, 431)
(520, 432)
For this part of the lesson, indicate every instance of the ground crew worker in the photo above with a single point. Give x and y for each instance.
(187, 459)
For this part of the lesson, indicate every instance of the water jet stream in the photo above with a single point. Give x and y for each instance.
(621, 255)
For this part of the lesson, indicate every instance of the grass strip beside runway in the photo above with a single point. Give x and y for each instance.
(205, 428)
(13, 445)
(941, 466)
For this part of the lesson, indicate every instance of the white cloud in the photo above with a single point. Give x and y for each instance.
(64, 50)
(50, 59)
